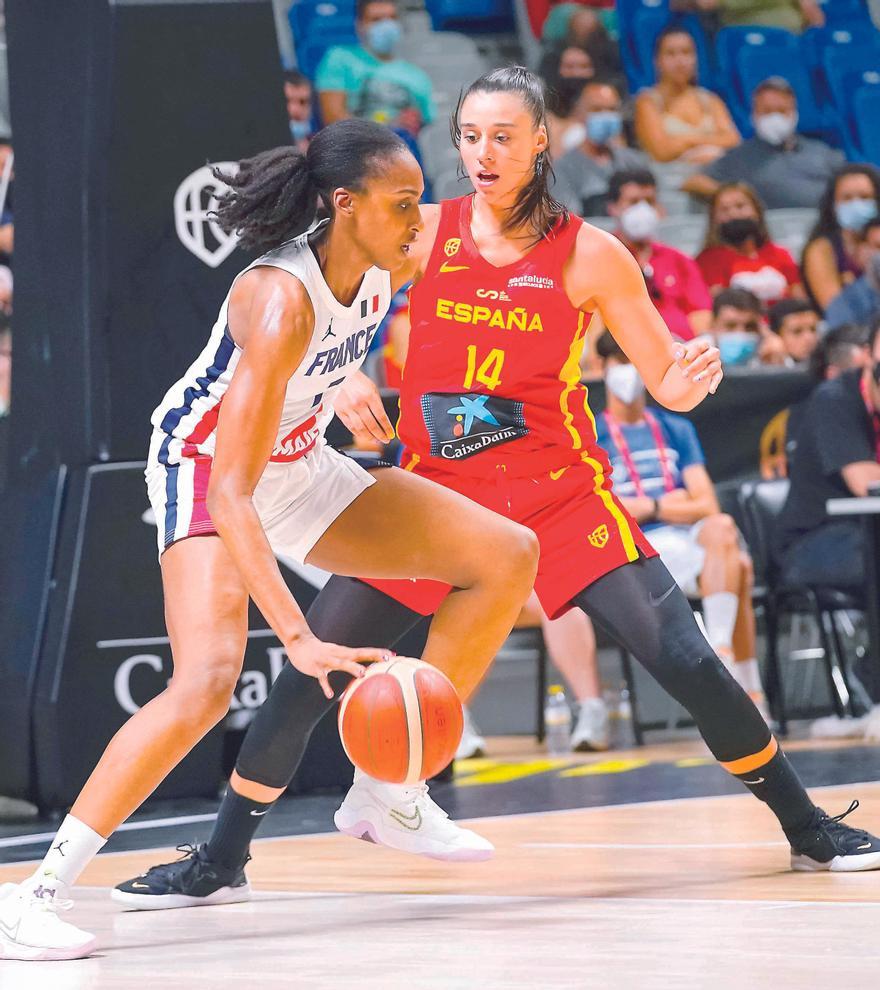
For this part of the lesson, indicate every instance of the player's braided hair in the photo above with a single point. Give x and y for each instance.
(274, 196)
(534, 206)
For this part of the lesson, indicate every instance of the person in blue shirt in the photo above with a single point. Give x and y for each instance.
(660, 476)
(860, 302)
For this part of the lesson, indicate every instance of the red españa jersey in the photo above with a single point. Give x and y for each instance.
(492, 376)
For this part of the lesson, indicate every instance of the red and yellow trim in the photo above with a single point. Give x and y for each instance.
(748, 764)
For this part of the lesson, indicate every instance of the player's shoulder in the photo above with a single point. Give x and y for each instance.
(267, 292)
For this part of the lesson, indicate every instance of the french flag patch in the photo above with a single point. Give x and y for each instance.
(369, 306)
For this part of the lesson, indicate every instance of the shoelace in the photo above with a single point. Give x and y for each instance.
(835, 824)
(419, 793)
(189, 850)
(51, 904)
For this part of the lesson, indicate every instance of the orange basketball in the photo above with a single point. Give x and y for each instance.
(401, 722)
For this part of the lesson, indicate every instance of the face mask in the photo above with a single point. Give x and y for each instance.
(624, 382)
(875, 371)
(775, 128)
(383, 36)
(739, 230)
(736, 346)
(603, 125)
(640, 222)
(300, 129)
(855, 213)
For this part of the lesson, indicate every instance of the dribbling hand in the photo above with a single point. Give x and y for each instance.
(312, 656)
(359, 406)
(700, 362)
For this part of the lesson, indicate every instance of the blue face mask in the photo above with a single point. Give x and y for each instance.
(603, 125)
(855, 213)
(383, 37)
(736, 347)
(300, 129)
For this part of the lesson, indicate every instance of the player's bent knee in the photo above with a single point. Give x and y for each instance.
(520, 554)
(204, 694)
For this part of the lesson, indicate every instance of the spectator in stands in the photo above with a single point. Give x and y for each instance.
(739, 253)
(575, 24)
(839, 350)
(836, 456)
(677, 120)
(582, 174)
(368, 80)
(298, 96)
(661, 478)
(566, 72)
(860, 302)
(831, 258)
(740, 331)
(796, 323)
(786, 169)
(792, 15)
(674, 280)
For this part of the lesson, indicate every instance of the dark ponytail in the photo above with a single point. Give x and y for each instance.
(534, 207)
(274, 196)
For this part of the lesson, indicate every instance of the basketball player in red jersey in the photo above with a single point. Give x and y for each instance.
(492, 407)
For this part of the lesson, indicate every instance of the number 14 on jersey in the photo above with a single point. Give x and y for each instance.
(488, 372)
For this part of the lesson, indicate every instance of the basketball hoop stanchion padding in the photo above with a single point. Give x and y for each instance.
(117, 107)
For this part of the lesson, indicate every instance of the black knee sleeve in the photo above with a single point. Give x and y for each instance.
(346, 612)
(643, 609)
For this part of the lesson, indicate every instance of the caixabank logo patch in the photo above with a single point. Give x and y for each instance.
(461, 424)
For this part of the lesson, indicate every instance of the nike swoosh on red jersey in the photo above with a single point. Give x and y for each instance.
(446, 267)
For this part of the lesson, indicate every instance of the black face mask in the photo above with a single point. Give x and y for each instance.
(875, 371)
(739, 230)
(568, 90)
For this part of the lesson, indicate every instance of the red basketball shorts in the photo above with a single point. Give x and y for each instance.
(583, 530)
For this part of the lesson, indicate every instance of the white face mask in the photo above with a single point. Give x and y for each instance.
(775, 128)
(640, 222)
(624, 382)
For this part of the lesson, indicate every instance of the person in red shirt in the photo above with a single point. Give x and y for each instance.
(505, 282)
(674, 282)
(739, 253)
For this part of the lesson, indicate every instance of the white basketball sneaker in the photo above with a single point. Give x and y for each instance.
(405, 818)
(30, 928)
(592, 733)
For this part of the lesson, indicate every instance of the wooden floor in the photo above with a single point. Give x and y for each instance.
(686, 893)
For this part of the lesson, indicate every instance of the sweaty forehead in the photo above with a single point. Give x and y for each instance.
(489, 109)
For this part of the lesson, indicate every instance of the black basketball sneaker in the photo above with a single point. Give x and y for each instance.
(827, 844)
(190, 881)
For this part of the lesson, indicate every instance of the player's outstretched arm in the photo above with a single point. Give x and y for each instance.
(604, 277)
(273, 325)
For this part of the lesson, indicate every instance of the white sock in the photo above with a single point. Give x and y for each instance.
(719, 616)
(748, 676)
(75, 845)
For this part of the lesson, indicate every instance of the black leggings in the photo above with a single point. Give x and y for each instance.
(638, 604)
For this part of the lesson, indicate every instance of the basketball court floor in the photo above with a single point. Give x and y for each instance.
(647, 868)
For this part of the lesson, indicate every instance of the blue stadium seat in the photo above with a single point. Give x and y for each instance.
(302, 13)
(849, 12)
(475, 15)
(816, 41)
(866, 107)
(843, 66)
(731, 42)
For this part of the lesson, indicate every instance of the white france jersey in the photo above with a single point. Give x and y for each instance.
(340, 341)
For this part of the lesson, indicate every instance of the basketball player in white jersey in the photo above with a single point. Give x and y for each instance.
(239, 470)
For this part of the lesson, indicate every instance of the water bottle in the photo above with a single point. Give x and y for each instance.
(619, 707)
(557, 721)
